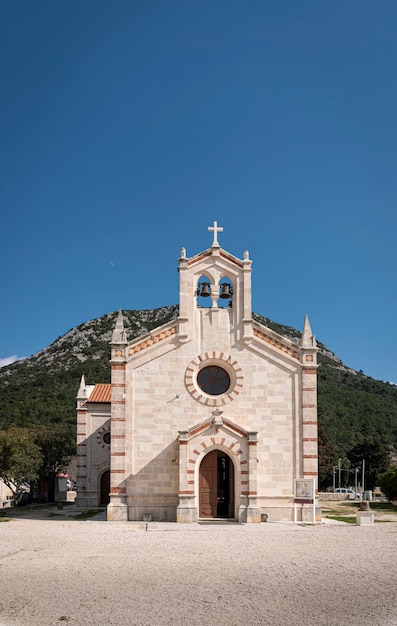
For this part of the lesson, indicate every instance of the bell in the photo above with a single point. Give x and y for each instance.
(226, 291)
(205, 290)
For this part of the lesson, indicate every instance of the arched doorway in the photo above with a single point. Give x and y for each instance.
(216, 486)
(104, 497)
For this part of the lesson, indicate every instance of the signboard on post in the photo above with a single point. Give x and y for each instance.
(304, 494)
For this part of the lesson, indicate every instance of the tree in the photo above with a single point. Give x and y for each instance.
(20, 457)
(327, 458)
(388, 483)
(57, 445)
(376, 457)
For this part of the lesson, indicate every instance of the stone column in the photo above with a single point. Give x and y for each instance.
(186, 297)
(186, 511)
(253, 510)
(117, 508)
(81, 452)
(309, 423)
(245, 295)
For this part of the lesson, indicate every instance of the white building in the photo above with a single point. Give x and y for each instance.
(211, 415)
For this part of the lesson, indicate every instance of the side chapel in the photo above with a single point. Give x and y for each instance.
(211, 415)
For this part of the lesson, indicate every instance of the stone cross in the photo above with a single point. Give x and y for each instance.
(216, 229)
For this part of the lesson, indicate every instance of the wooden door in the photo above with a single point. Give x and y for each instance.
(216, 486)
(208, 485)
(104, 497)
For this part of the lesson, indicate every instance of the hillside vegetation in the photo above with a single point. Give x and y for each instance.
(42, 389)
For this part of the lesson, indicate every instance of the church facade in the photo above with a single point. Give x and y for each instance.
(209, 416)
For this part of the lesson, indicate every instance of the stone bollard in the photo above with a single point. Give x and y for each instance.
(364, 516)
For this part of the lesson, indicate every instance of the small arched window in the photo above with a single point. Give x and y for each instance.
(225, 293)
(203, 292)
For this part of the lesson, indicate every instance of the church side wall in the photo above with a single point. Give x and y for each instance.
(96, 454)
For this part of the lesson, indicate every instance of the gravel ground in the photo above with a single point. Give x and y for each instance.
(58, 570)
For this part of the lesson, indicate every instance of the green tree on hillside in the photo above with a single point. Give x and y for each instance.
(375, 456)
(20, 457)
(57, 445)
(388, 483)
(327, 458)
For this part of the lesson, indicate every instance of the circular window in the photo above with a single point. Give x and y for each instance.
(213, 380)
(106, 437)
(103, 437)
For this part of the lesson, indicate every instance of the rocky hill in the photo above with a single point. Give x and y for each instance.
(42, 388)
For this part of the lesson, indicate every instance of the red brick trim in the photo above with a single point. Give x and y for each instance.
(117, 490)
(197, 259)
(199, 428)
(152, 340)
(292, 352)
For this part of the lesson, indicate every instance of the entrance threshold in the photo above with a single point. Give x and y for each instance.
(217, 520)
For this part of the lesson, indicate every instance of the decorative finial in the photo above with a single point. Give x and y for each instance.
(216, 229)
(308, 340)
(119, 335)
(183, 253)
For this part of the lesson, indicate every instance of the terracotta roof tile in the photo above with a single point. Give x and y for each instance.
(101, 393)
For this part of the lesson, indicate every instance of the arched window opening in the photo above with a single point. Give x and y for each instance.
(203, 292)
(225, 299)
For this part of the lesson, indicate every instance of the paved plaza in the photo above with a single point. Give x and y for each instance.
(57, 569)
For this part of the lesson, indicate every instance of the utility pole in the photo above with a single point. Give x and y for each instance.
(339, 472)
(363, 477)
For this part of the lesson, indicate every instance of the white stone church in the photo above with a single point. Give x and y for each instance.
(210, 416)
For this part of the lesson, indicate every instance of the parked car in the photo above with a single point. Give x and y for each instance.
(348, 492)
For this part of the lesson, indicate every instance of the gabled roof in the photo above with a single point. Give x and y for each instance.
(101, 393)
(219, 251)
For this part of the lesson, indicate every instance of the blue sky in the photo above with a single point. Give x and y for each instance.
(127, 128)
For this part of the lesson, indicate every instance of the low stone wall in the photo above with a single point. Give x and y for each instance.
(325, 496)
